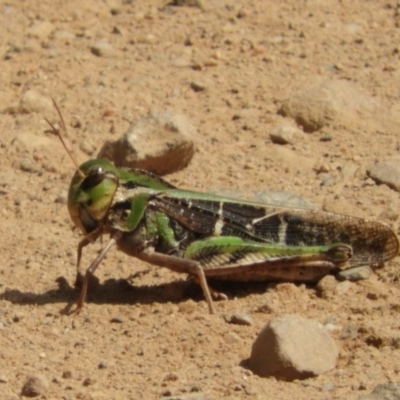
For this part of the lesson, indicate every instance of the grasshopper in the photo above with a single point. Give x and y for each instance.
(208, 236)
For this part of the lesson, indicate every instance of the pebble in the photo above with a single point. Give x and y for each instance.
(162, 143)
(188, 396)
(67, 375)
(198, 86)
(387, 172)
(326, 137)
(355, 274)
(102, 365)
(349, 332)
(62, 198)
(389, 214)
(34, 386)
(292, 347)
(65, 36)
(326, 286)
(189, 3)
(385, 391)
(239, 319)
(328, 102)
(147, 39)
(232, 337)
(88, 382)
(117, 320)
(285, 134)
(102, 49)
(31, 101)
(27, 165)
(40, 30)
(343, 287)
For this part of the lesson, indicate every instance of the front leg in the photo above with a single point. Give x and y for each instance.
(90, 271)
(89, 238)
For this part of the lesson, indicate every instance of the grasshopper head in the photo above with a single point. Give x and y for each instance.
(91, 193)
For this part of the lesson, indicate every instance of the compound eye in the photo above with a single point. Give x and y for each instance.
(94, 176)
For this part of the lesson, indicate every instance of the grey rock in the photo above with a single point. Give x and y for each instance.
(387, 172)
(335, 102)
(161, 143)
(291, 347)
(355, 274)
(34, 386)
(349, 332)
(386, 391)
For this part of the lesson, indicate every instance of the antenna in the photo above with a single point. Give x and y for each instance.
(57, 132)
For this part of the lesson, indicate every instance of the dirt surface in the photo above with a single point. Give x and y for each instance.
(145, 332)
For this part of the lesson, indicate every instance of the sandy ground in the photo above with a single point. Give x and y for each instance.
(145, 332)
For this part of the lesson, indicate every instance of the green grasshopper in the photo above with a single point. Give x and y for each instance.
(208, 236)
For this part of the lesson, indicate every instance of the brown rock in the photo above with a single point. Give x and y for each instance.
(292, 347)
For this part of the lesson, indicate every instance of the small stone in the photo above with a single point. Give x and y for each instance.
(387, 172)
(167, 395)
(40, 30)
(87, 147)
(326, 286)
(102, 49)
(355, 274)
(170, 377)
(198, 86)
(31, 101)
(64, 36)
(232, 337)
(160, 142)
(292, 347)
(285, 134)
(343, 287)
(349, 170)
(389, 215)
(328, 181)
(349, 332)
(88, 382)
(62, 198)
(67, 375)
(34, 386)
(328, 102)
(27, 165)
(326, 137)
(102, 365)
(239, 319)
(328, 387)
(189, 3)
(147, 39)
(117, 320)
(386, 391)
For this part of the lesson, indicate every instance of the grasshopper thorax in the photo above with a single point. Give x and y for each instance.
(91, 193)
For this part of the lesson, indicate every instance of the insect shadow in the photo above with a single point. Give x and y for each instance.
(121, 291)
